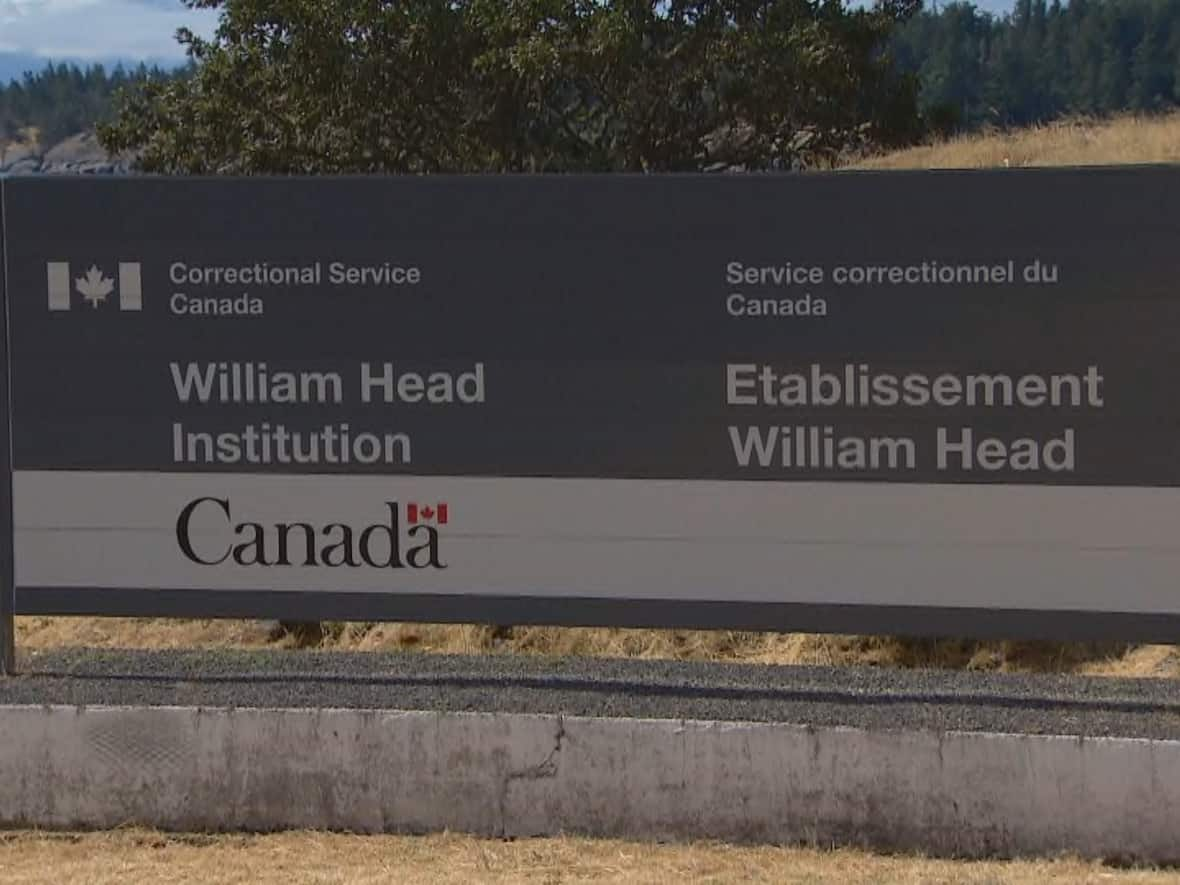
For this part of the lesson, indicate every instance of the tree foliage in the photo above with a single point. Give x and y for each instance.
(324, 86)
(1045, 60)
(62, 100)
(538, 103)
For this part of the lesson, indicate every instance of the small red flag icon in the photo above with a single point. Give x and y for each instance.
(416, 513)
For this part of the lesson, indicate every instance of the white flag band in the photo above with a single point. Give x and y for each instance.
(59, 285)
(130, 287)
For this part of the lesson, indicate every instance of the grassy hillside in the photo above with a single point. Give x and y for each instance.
(1074, 143)
(1124, 140)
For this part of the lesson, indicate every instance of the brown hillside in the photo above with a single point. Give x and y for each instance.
(1126, 140)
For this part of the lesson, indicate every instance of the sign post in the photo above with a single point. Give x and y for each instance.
(930, 404)
(7, 576)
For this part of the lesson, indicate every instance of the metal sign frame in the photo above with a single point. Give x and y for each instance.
(7, 575)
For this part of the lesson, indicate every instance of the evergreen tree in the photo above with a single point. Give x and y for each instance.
(62, 100)
(1043, 60)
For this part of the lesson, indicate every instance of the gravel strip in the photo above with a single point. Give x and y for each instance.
(874, 698)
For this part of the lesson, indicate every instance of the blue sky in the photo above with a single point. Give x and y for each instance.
(35, 31)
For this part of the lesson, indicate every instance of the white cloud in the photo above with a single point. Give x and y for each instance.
(22, 10)
(84, 29)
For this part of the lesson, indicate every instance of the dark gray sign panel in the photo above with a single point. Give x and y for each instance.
(921, 403)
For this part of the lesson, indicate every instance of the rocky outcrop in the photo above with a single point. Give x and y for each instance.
(77, 155)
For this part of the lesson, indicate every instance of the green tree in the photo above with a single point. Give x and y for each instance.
(62, 100)
(950, 51)
(324, 86)
(1044, 60)
(1151, 62)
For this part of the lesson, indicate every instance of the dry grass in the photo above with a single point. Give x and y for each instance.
(1079, 142)
(1111, 659)
(147, 857)
(1123, 140)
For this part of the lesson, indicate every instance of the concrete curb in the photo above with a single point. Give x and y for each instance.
(964, 794)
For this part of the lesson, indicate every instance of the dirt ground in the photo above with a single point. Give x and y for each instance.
(145, 857)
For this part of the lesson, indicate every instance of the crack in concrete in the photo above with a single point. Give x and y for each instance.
(546, 768)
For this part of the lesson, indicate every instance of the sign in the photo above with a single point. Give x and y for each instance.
(917, 403)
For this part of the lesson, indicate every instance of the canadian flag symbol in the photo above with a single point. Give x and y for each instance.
(416, 513)
(93, 285)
